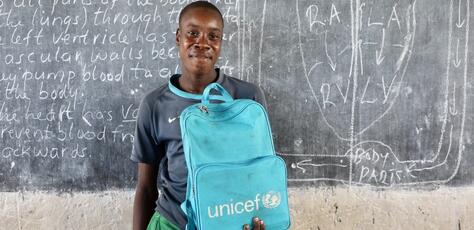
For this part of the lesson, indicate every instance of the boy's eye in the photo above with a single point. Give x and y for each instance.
(193, 33)
(214, 37)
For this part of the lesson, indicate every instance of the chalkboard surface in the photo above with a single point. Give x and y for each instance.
(360, 92)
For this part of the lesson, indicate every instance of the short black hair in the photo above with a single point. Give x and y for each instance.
(199, 4)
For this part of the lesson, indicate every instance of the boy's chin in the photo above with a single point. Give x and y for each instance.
(202, 70)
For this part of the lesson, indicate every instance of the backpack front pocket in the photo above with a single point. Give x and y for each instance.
(228, 195)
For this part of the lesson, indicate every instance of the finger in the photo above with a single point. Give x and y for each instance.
(255, 220)
(256, 223)
(262, 225)
(246, 227)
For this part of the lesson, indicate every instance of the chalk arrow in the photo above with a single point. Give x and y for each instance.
(330, 62)
(457, 61)
(409, 169)
(460, 23)
(300, 165)
(378, 55)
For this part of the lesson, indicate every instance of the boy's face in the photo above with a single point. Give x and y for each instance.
(199, 39)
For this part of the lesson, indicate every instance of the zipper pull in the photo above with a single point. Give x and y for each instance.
(203, 109)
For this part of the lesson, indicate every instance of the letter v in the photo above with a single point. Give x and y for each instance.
(344, 95)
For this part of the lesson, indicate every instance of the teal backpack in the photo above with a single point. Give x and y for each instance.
(233, 171)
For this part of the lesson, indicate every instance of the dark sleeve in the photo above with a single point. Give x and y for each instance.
(260, 97)
(146, 148)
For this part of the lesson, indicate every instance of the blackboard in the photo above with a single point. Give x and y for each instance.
(360, 92)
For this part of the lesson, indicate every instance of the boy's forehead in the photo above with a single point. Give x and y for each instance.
(196, 14)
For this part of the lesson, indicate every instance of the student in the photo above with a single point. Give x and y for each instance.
(158, 147)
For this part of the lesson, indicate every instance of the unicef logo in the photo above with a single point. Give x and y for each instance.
(271, 199)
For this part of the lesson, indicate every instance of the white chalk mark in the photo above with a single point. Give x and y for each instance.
(325, 92)
(324, 179)
(334, 13)
(297, 166)
(261, 43)
(239, 43)
(435, 157)
(314, 66)
(311, 155)
(456, 61)
(406, 49)
(313, 92)
(398, 45)
(386, 92)
(330, 61)
(343, 50)
(309, 15)
(460, 23)
(355, 41)
(404, 58)
(370, 23)
(463, 118)
(12, 165)
(444, 114)
(379, 57)
(394, 17)
(452, 108)
(244, 35)
(302, 163)
(409, 170)
(362, 98)
(83, 117)
(409, 41)
(84, 10)
(344, 95)
(370, 43)
(361, 58)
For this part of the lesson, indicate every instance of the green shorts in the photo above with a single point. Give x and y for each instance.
(158, 222)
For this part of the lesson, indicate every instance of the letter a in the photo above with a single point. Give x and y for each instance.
(334, 13)
(394, 17)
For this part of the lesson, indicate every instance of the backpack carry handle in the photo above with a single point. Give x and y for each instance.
(226, 97)
(193, 96)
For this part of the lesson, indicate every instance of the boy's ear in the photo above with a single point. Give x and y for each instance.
(178, 33)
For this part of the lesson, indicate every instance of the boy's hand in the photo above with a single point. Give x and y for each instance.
(257, 224)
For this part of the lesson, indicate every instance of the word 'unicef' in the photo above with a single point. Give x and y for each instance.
(269, 200)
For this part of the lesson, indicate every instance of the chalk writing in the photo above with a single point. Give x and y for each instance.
(73, 74)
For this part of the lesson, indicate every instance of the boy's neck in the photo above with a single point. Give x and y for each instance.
(196, 83)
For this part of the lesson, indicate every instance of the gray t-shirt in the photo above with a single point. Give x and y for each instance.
(158, 140)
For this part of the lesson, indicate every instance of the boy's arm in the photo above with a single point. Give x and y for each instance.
(146, 194)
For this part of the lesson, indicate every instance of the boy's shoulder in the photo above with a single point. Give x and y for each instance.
(155, 94)
(240, 88)
(237, 82)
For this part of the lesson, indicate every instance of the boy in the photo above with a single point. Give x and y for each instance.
(158, 148)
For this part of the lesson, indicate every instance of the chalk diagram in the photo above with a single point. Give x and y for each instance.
(379, 47)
